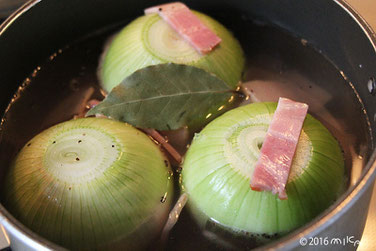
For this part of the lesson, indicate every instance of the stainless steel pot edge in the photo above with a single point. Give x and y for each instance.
(360, 20)
(27, 241)
(16, 14)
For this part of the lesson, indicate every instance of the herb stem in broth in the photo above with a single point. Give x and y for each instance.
(164, 142)
(173, 217)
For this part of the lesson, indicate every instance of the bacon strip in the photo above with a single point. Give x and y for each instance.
(273, 167)
(183, 21)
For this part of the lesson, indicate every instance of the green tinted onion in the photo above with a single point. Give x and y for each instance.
(220, 161)
(149, 40)
(91, 184)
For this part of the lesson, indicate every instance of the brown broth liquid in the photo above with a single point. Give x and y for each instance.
(278, 64)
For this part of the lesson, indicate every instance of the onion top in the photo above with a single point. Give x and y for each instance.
(149, 40)
(91, 183)
(220, 162)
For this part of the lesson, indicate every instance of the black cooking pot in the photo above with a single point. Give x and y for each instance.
(40, 28)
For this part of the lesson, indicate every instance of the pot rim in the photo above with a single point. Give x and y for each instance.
(330, 215)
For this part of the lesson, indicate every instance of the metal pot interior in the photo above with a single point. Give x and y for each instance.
(299, 50)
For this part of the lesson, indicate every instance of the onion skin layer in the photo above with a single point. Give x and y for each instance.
(115, 203)
(131, 50)
(218, 185)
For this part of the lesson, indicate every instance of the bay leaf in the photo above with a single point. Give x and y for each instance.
(165, 97)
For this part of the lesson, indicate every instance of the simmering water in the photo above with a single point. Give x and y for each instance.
(278, 64)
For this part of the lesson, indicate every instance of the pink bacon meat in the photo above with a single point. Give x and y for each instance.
(183, 21)
(273, 167)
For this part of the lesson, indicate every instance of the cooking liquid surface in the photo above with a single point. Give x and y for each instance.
(278, 65)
